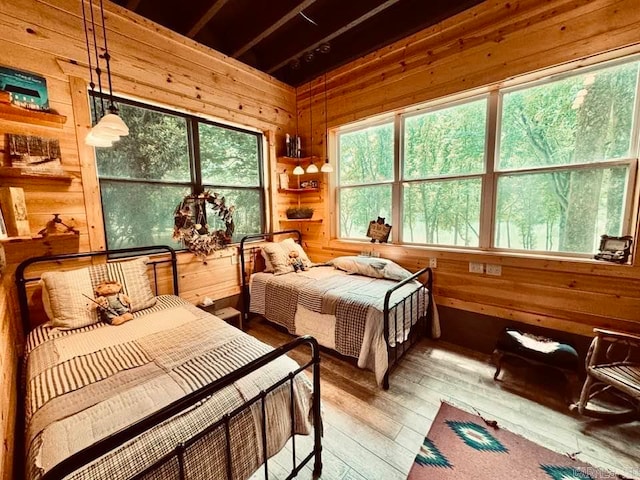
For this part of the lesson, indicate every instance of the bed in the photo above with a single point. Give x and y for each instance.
(375, 320)
(173, 393)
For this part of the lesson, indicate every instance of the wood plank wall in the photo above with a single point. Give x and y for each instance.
(479, 49)
(149, 63)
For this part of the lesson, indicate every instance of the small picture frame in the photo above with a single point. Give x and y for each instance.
(3, 227)
(614, 249)
(284, 180)
(378, 230)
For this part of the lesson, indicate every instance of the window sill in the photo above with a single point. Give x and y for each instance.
(501, 257)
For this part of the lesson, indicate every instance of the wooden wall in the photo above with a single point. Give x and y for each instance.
(479, 49)
(149, 63)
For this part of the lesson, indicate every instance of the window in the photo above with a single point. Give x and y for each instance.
(365, 176)
(564, 161)
(167, 156)
(548, 166)
(442, 163)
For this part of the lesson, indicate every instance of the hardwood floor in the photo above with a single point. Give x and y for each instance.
(370, 433)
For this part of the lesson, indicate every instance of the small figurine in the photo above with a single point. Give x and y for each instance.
(296, 262)
(114, 306)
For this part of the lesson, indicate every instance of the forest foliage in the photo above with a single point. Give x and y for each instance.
(561, 162)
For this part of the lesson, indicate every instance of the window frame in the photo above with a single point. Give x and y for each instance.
(195, 183)
(491, 174)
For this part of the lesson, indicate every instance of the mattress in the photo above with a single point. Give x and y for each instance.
(344, 312)
(85, 384)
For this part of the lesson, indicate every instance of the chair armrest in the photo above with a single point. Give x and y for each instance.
(617, 334)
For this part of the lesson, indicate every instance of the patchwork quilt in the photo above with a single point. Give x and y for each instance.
(85, 384)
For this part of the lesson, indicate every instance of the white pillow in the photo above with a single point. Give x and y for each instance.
(64, 294)
(279, 255)
(371, 267)
(268, 268)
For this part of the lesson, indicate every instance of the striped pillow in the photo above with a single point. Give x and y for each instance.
(135, 282)
(65, 293)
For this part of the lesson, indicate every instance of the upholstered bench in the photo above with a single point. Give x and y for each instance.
(538, 351)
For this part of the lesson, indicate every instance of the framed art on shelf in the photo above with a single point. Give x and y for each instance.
(3, 227)
(14, 208)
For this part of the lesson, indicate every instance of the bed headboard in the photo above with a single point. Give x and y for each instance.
(160, 251)
(256, 238)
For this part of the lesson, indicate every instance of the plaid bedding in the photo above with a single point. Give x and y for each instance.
(86, 384)
(356, 302)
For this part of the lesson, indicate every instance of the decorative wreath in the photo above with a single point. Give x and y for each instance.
(190, 223)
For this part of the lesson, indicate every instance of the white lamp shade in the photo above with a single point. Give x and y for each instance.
(312, 168)
(326, 167)
(94, 139)
(298, 170)
(113, 123)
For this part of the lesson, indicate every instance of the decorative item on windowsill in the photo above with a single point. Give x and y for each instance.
(191, 228)
(378, 230)
(56, 226)
(299, 213)
(614, 249)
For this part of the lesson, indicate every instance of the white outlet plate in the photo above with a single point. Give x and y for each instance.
(433, 262)
(476, 267)
(494, 269)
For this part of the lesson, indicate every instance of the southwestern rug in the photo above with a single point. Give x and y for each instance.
(462, 446)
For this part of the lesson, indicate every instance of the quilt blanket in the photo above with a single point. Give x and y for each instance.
(353, 304)
(85, 384)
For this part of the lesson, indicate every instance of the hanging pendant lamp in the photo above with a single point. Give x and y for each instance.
(326, 166)
(110, 127)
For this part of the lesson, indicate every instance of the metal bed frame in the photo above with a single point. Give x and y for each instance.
(104, 446)
(390, 313)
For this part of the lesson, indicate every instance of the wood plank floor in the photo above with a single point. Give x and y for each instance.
(370, 433)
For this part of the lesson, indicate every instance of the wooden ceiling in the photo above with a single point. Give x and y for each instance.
(297, 40)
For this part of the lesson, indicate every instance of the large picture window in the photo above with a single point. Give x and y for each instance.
(547, 166)
(167, 156)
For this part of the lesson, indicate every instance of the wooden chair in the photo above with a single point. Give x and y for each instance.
(613, 366)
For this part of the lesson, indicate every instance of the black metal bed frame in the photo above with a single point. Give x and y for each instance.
(106, 445)
(416, 330)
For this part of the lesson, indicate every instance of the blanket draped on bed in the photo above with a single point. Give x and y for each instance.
(86, 384)
(344, 312)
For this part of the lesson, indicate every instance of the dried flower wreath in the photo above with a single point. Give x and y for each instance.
(190, 223)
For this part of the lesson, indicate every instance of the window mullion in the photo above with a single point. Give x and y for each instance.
(488, 202)
(396, 193)
(194, 155)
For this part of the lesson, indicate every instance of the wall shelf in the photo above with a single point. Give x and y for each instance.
(299, 190)
(306, 220)
(26, 172)
(296, 160)
(31, 117)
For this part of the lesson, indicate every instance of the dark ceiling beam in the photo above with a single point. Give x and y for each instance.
(265, 33)
(206, 18)
(335, 34)
(133, 4)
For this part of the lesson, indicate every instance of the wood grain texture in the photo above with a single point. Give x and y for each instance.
(371, 433)
(491, 45)
(149, 63)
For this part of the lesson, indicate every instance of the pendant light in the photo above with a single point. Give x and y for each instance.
(312, 166)
(110, 127)
(326, 166)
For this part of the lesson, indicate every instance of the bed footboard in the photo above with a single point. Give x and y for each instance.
(415, 323)
(98, 449)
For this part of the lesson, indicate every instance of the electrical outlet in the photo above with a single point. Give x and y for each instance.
(433, 262)
(234, 260)
(476, 267)
(494, 269)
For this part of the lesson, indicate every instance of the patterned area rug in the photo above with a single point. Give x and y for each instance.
(461, 446)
